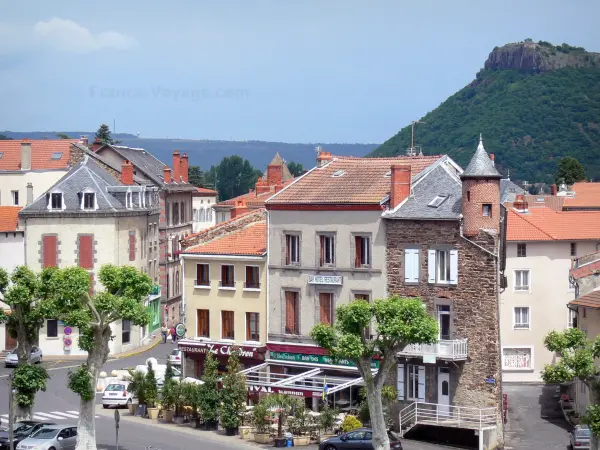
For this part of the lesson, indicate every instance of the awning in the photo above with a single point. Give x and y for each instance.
(220, 348)
(590, 300)
(291, 348)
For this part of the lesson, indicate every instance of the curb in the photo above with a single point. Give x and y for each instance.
(138, 350)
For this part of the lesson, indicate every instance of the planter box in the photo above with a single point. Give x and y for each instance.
(230, 431)
(280, 442)
(301, 441)
(153, 413)
(168, 415)
(132, 407)
(246, 432)
(262, 438)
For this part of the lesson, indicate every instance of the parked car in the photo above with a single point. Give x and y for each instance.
(579, 438)
(12, 359)
(175, 357)
(58, 437)
(360, 439)
(116, 394)
(21, 430)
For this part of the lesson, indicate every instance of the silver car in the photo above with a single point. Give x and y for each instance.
(580, 438)
(175, 357)
(12, 359)
(55, 437)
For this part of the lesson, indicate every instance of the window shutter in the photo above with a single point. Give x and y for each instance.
(49, 250)
(411, 265)
(86, 258)
(288, 243)
(198, 273)
(322, 246)
(357, 251)
(289, 312)
(453, 266)
(132, 246)
(421, 383)
(223, 275)
(400, 382)
(431, 266)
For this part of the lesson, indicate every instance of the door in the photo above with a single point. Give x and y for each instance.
(73, 439)
(64, 440)
(443, 391)
(353, 440)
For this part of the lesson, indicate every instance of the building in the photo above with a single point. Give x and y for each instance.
(36, 163)
(581, 196)
(541, 243)
(276, 178)
(203, 201)
(175, 195)
(225, 292)
(89, 218)
(443, 240)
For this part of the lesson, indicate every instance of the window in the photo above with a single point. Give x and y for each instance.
(252, 277)
(132, 246)
(443, 266)
(182, 212)
(202, 323)
(572, 320)
(50, 251)
(521, 280)
(362, 251)
(252, 327)
(327, 254)
(56, 155)
(222, 217)
(411, 265)
(227, 325)
(355, 436)
(517, 358)
(202, 275)
(89, 200)
(414, 386)
(522, 317)
(361, 297)
(292, 249)
(56, 200)
(326, 308)
(437, 201)
(292, 325)
(227, 276)
(52, 328)
(573, 248)
(15, 197)
(85, 247)
(584, 313)
(443, 315)
(173, 312)
(486, 209)
(168, 213)
(468, 196)
(521, 250)
(126, 331)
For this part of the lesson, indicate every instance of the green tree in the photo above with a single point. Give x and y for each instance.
(125, 289)
(196, 176)
(284, 405)
(232, 177)
(398, 323)
(104, 135)
(577, 354)
(151, 386)
(570, 171)
(296, 169)
(63, 136)
(30, 306)
(233, 393)
(170, 388)
(5, 138)
(209, 391)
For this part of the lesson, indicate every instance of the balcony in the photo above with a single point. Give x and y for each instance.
(155, 293)
(451, 349)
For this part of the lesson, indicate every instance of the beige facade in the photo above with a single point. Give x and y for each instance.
(202, 212)
(214, 298)
(16, 181)
(535, 303)
(341, 279)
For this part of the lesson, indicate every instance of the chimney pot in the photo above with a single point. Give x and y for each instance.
(176, 167)
(167, 175)
(553, 189)
(492, 158)
(83, 140)
(29, 193)
(184, 168)
(400, 188)
(323, 157)
(25, 155)
(274, 173)
(127, 173)
(96, 145)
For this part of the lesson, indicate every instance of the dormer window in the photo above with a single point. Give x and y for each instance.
(437, 201)
(56, 200)
(89, 200)
(129, 200)
(338, 173)
(56, 155)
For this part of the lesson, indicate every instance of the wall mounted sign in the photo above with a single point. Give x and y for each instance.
(221, 349)
(325, 279)
(180, 329)
(68, 341)
(428, 359)
(252, 389)
(490, 380)
(315, 359)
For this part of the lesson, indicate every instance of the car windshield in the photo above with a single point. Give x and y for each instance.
(583, 433)
(46, 433)
(176, 372)
(175, 352)
(115, 387)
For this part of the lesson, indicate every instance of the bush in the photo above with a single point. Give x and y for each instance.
(169, 392)
(260, 420)
(150, 387)
(301, 421)
(327, 418)
(137, 386)
(233, 393)
(350, 423)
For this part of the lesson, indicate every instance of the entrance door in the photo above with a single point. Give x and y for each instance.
(443, 391)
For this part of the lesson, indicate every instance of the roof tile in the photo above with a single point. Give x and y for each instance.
(587, 195)
(9, 218)
(544, 224)
(41, 154)
(248, 241)
(590, 300)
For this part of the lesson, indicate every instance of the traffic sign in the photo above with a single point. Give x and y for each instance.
(68, 330)
(117, 418)
(68, 341)
(180, 329)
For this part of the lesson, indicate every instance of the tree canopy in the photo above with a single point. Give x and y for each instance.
(104, 135)
(63, 136)
(232, 177)
(295, 168)
(196, 176)
(569, 171)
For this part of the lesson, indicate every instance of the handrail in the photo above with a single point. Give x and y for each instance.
(447, 416)
(445, 348)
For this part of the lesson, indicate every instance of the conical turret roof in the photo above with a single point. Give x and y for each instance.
(481, 166)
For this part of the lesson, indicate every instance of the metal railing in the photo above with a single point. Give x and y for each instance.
(251, 285)
(447, 416)
(230, 284)
(453, 349)
(201, 282)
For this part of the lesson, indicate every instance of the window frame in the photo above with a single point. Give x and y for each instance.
(366, 247)
(57, 195)
(297, 312)
(288, 251)
(323, 247)
(515, 287)
(486, 210)
(414, 385)
(517, 325)
(55, 334)
(207, 320)
(223, 321)
(125, 331)
(224, 286)
(252, 318)
(15, 197)
(447, 267)
(331, 300)
(573, 249)
(252, 286)
(85, 197)
(519, 369)
(522, 250)
(198, 283)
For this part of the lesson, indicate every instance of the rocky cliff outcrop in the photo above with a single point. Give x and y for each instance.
(540, 57)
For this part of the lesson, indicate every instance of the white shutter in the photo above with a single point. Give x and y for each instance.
(421, 383)
(431, 266)
(400, 382)
(453, 266)
(411, 265)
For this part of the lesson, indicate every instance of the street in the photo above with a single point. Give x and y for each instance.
(59, 404)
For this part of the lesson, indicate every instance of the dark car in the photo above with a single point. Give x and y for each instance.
(360, 439)
(21, 430)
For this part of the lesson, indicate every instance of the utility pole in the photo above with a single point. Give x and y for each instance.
(412, 151)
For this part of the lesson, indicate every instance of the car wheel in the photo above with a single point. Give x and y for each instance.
(52, 448)
(330, 447)
(105, 406)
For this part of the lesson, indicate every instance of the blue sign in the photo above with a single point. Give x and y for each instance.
(490, 380)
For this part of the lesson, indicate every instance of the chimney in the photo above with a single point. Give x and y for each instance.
(96, 145)
(553, 189)
(323, 157)
(278, 186)
(176, 167)
(29, 193)
(521, 204)
(492, 158)
(25, 155)
(83, 140)
(400, 189)
(261, 186)
(274, 173)
(184, 167)
(127, 172)
(167, 175)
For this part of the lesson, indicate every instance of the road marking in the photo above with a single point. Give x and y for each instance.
(69, 416)
(54, 415)
(46, 416)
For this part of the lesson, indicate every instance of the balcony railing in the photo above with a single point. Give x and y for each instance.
(202, 283)
(251, 285)
(227, 284)
(452, 349)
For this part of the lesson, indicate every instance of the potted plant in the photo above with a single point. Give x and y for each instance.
(137, 387)
(283, 405)
(327, 422)
(246, 429)
(169, 393)
(190, 394)
(574, 417)
(233, 395)
(350, 423)
(260, 420)
(299, 425)
(151, 392)
(209, 400)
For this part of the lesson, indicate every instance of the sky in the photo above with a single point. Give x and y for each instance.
(326, 71)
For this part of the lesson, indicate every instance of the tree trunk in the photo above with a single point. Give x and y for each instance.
(97, 355)
(24, 354)
(378, 425)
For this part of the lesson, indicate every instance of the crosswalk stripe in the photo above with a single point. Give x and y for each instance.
(73, 412)
(69, 416)
(4, 415)
(48, 416)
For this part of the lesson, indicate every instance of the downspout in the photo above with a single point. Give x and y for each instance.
(268, 275)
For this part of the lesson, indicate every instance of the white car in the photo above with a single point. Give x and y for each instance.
(116, 394)
(175, 357)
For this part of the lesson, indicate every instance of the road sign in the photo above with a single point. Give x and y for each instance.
(180, 329)
(68, 341)
(68, 330)
(117, 418)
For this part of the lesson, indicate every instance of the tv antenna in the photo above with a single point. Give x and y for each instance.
(412, 151)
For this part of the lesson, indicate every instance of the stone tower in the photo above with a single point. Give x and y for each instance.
(480, 194)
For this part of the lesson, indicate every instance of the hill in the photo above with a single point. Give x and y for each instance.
(534, 103)
(205, 153)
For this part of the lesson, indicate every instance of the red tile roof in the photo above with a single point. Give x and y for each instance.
(9, 218)
(41, 153)
(590, 300)
(203, 192)
(253, 200)
(587, 195)
(248, 241)
(544, 224)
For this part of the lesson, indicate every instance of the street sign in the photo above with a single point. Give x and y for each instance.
(68, 330)
(117, 418)
(180, 329)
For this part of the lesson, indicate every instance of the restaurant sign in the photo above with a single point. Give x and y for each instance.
(253, 389)
(221, 349)
(325, 279)
(315, 359)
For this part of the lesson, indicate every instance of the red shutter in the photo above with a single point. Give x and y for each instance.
(358, 251)
(49, 250)
(290, 312)
(322, 258)
(288, 243)
(86, 252)
(224, 275)
(131, 246)
(91, 284)
(325, 308)
(199, 279)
